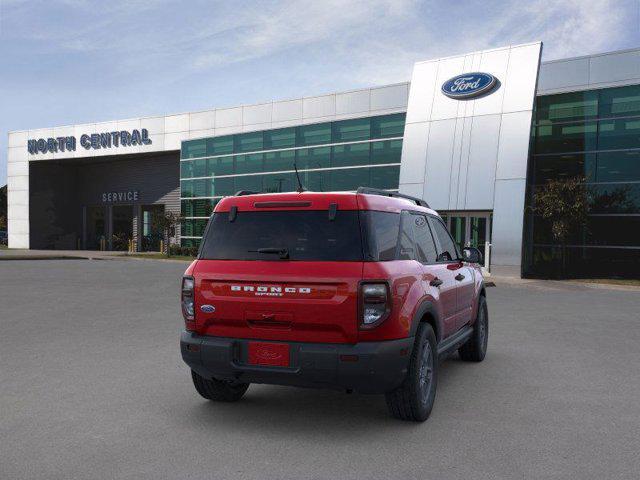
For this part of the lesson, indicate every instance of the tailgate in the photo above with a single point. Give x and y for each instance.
(275, 300)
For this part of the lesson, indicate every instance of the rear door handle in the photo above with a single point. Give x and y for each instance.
(459, 277)
(436, 282)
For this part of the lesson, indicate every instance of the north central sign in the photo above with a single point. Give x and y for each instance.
(93, 141)
(469, 85)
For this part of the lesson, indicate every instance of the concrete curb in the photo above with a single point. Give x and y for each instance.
(507, 281)
(603, 285)
(43, 257)
(173, 260)
(86, 257)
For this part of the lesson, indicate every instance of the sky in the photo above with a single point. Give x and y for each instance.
(65, 62)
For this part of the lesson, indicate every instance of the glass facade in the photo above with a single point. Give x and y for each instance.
(593, 135)
(331, 156)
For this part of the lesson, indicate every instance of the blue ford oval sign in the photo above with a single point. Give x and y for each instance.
(468, 85)
(208, 308)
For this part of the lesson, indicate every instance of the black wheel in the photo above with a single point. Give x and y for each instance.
(414, 399)
(218, 390)
(475, 349)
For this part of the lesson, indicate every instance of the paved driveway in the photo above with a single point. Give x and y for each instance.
(92, 386)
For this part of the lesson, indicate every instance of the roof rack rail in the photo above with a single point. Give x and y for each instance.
(385, 193)
(242, 193)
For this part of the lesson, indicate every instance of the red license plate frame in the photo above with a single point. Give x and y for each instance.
(267, 354)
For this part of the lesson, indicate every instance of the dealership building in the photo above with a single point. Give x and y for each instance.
(476, 135)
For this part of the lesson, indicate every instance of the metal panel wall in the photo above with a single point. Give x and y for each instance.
(595, 71)
(155, 177)
(60, 190)
(476, 149)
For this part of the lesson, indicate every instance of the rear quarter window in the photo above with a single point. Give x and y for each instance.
(380, 230)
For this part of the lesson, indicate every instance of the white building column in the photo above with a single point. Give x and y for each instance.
(18, 190)
(471, 153)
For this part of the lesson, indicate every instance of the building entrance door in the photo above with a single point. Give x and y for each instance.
(121, 227)
(96, 227)
(151, 231)
(470, 229)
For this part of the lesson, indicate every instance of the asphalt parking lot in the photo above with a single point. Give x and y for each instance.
(92, 386)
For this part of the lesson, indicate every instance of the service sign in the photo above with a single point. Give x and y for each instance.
(93, 141)
(469, 85)
(119, 197)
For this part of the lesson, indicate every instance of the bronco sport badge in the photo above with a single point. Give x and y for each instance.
(268, 290)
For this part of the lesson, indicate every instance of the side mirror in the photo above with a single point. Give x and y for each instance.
(471, 255)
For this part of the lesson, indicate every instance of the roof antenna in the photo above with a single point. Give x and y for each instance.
(300, 187)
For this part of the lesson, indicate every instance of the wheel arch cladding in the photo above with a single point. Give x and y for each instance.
(476, 301)
(426, 313)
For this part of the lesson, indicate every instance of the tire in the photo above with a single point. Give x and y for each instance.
(218, 390)
(475, 349)
(414, 399)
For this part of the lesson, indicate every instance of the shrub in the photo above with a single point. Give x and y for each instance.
(183, 251)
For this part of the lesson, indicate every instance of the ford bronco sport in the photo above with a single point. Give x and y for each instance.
(357, 291)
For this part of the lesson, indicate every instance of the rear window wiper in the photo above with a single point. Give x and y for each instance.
(282, 252)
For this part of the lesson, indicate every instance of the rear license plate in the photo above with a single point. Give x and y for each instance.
(270, 354)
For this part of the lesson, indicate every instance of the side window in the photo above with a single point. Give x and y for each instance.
(426, 247)
(447, 251)
(381, 230)
(406, 249)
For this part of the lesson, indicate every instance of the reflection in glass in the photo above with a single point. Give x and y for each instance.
(318, 157)
(618, 166)
(248, 142)
(478, 233)
(388, 126)
(605, 149)
(457, 227)
(194, 148)
(219, 145)
(249, 163)
(615, 198)
(352, 130)
(280, 138)
(346, 155)
(313, 134)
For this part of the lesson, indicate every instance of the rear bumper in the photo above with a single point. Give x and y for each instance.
(380, 366)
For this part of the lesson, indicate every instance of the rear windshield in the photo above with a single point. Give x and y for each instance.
(304, 235)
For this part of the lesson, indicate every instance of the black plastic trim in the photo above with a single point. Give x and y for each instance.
(385, 193)
(424, 308)
(333, 210)
(454, 341)
(380, 367)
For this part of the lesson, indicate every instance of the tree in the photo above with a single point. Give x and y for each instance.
(619, 200)
(565, 204)
(166, 222)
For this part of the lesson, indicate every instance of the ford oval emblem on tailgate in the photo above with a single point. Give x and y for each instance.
(208, 308)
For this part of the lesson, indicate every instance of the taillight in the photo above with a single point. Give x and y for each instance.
(375, 304)
(187, 299)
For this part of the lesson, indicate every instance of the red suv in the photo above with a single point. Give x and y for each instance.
(360, 291)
